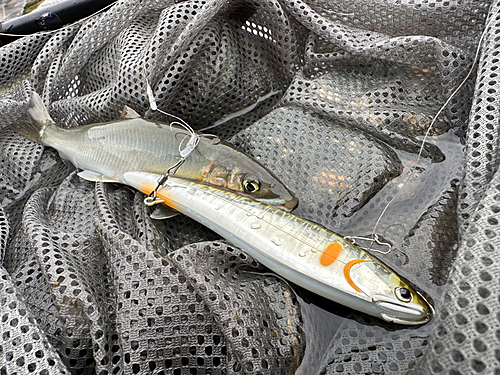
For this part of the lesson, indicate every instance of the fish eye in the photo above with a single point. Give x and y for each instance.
(251, 184)
(403, 294)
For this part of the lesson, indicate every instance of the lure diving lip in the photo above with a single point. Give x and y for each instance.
(298, 250)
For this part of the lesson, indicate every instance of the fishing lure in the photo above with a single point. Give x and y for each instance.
(296, 249)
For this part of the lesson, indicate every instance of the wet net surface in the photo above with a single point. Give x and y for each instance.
(334, 97)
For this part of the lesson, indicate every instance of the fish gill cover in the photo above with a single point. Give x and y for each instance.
(334, 97)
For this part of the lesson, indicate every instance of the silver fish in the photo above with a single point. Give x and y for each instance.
(106, 151)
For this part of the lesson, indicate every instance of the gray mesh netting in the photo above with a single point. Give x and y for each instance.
(335, 98)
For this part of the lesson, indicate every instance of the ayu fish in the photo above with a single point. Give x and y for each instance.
(105, 151)
(296, 249)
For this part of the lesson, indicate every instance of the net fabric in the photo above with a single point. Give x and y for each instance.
(466, 336)
(69, 294)
(200, 307)
(359, 347)
(25, 347)
(371, 74)
(435, 55)
(4, 234)
(181, 50)
(334, 170)
(17, 58)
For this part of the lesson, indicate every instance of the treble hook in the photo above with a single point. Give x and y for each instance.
(371, 241)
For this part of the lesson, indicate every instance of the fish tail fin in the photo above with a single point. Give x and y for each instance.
(38, 120)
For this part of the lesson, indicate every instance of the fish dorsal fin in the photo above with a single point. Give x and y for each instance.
(129, 113)
(96, 177)
(162, 212)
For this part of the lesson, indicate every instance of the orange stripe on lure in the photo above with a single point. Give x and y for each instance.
(147, 188)
(347, 273)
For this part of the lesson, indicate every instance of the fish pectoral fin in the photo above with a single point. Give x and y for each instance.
(129, 113)
(162, 212)
(96, 177)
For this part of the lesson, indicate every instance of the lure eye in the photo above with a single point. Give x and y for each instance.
(403, 294)
(251, 184)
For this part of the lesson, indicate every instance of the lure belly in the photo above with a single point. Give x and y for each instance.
(296, 249)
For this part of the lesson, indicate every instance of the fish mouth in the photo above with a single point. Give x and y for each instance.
(410, 313)
(287, 205)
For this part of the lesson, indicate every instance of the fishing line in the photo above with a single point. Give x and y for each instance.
(241, 112)
(194, 138)
(434, 119)
(191, 144)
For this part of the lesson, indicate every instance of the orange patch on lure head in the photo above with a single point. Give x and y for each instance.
(147, 188)
(347, 273)
(166, 201)
(330, 254)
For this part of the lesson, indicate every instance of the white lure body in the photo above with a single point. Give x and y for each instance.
(296, 249)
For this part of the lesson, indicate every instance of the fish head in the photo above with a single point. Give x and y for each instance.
(243, 175)
(393, 297)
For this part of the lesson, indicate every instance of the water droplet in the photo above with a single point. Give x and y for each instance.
(302, 254)
(314, 250)
(217, 207)
(255, 226)
(277, 241)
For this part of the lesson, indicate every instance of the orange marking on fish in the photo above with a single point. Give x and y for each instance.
(347, 273)
(330, 254)
(206, 170)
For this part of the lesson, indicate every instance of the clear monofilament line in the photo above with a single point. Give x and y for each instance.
(441, 109)
(194, 138)
(191, 144)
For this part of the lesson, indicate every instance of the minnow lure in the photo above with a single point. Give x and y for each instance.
(298, 250)
(106, 151)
